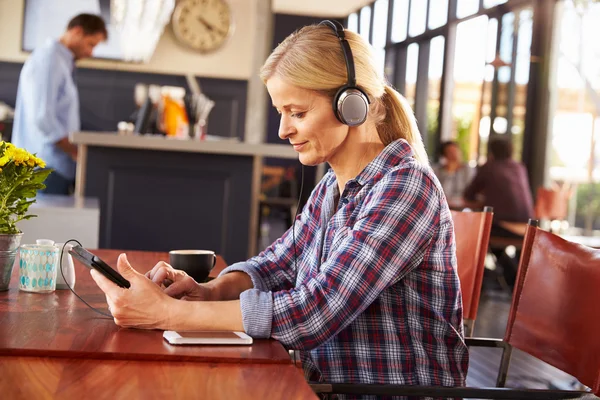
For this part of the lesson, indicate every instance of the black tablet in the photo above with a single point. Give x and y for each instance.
(92, 261)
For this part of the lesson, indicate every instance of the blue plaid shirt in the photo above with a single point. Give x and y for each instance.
(373, 296)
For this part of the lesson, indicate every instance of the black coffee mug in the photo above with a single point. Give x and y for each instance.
(196, 263)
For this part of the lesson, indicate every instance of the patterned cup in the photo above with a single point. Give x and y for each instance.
(37, 268)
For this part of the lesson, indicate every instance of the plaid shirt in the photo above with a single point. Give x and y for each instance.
(373, 296)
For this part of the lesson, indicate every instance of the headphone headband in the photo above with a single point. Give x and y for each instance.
(338, 29)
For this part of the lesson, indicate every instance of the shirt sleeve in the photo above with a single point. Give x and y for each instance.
(43, 90)
(274, 269)
(388, 240)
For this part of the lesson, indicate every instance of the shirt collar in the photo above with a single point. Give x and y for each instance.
(64, 52)
(391, 156)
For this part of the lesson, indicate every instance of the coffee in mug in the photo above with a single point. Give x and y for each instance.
(196, 263)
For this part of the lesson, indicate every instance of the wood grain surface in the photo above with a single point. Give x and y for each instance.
(66, 378)
(59, 324)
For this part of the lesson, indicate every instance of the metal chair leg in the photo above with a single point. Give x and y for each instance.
(504, 364)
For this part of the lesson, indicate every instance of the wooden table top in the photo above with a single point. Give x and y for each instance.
(66, 378)
(59, 324)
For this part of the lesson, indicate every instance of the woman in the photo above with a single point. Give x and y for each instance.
(365, 283)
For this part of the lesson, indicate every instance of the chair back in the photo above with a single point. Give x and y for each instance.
(552, 204)
(554, 313)
(472, 235)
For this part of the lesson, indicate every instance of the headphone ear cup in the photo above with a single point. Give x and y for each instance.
(351, 106)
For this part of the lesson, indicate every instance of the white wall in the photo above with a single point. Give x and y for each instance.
(233, 61)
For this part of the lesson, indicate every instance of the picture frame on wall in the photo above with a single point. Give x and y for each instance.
(44, 20)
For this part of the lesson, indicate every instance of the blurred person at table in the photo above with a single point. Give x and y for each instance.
(453, 173)
(502, 183)
(47, 108)
(364, 284)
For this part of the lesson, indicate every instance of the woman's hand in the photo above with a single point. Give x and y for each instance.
(178, 284)
(143, 305)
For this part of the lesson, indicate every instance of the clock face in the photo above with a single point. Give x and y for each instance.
(203, 25)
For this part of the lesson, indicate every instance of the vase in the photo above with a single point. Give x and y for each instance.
(9, 243)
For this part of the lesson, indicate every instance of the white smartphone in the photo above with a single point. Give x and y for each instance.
(207, 337)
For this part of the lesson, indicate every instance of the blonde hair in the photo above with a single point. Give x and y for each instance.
(312, 58)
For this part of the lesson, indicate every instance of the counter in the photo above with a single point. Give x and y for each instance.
(163, 194)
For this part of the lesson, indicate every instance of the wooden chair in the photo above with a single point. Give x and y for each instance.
(550, 204)
(553, 316)
(472, 234)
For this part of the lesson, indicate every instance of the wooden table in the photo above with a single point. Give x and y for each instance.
(64, 378)
(59, 324)
(54, 346)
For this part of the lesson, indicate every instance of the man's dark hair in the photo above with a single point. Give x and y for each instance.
(501, 149)
(90, 23)
(445, 145)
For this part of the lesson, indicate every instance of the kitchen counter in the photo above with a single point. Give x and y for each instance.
(162, 194)
(156, 142)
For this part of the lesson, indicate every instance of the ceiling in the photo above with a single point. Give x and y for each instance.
(318, 8)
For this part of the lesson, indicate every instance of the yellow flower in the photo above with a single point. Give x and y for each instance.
(4, 160)
(20, 156)
(40, 163)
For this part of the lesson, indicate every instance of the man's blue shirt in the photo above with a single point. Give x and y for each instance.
(47, 108)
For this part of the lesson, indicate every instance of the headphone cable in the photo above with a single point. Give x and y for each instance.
(295, 216)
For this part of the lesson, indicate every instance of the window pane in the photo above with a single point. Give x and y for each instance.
(365, 22)
(469, 74)
(436, 66)
(418, 17)
(380, 60)
(353, 22)
(506, 46)
(400, 23)
(492, 3)
(412, 64)
(464, 8)
(380, 23)
(524, 46)
(491, 40)
(438, 13)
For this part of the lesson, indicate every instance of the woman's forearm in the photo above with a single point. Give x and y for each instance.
(229, 286)
(205, 316)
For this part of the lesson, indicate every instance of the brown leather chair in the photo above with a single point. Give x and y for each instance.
(553, 316)
(472, 234)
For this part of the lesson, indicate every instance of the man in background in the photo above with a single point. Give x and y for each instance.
(47, 108)
(504, 185)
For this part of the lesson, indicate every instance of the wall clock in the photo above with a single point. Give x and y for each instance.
(203, 25)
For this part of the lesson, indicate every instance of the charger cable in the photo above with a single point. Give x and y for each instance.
(69, 286)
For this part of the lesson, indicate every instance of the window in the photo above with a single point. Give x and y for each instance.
(438, 13)
(464, 8)
(365, 22)
(418, 17)
(353, 22)
(400, 17)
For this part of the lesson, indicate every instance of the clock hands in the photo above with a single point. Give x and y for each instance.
(210, 27)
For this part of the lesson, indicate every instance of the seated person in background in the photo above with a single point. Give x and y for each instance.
(504, 185)
(365, 283)
(454, 175)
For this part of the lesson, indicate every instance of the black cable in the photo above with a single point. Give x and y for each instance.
(69, 286)
(296, 215)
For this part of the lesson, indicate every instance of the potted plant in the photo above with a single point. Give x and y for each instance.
(22, 174)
